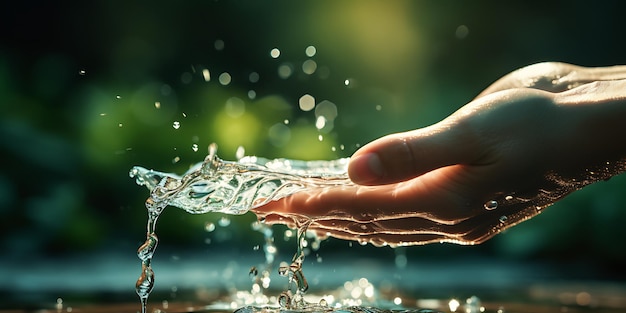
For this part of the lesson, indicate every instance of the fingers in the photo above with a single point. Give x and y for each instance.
(399, 157)
(555, 77)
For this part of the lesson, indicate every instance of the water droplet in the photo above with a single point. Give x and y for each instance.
(503, 219)
(224, 221)
(225, 78)
(209, 227)
(284, 299)
(491, 205)
(253, 271)
(253, 77)
(309, 67)
(320, 122)
(306, 102)
(310, 51)
(285, 70)
(176, 125)
(240, 153)
(275, 53)
(206, 75)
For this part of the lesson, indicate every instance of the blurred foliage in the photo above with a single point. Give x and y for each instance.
(90, 89)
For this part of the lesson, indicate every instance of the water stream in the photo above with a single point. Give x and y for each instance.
(216, 185)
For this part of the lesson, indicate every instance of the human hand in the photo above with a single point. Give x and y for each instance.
(530, 139)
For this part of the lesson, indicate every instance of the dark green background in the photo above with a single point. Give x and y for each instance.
(78, 82)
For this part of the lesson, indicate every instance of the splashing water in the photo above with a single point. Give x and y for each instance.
(215, 185)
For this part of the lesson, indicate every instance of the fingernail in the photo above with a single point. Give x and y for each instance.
(365, 168)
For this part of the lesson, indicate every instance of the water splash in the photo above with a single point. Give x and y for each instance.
(229, 187)
(215, 185)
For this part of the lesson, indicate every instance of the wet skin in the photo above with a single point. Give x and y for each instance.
(528, 140)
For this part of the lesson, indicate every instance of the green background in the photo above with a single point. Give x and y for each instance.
(79, 81)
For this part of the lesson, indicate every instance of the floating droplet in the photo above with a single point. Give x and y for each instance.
(209, 227)
(224, 221)
(491, 205)
(240, 153)
(253, 271)
(310, 51)
(284, 299)
(275, 53)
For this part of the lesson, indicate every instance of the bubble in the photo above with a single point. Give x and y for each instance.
(491, 205)
(225, 78)
(157, 104)
(346, 82)
(397, 300)
(275, 53)
(176, 124)
(120, 125)
(503, 219)
(118, 97)
(310, 51)
(194, 147)
(320, 138)
(82, 72)
(175, 160)
(323, 302)
(379, 107)
(508, 198)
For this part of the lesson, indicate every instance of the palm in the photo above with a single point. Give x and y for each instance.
(491, 172)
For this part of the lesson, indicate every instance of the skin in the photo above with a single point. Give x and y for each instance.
(528, 140)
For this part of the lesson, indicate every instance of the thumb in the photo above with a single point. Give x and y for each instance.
(402, 156)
